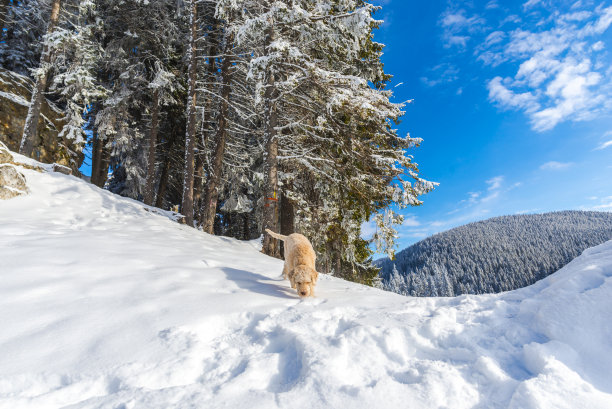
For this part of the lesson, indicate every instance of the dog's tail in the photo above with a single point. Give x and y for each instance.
(276, 235)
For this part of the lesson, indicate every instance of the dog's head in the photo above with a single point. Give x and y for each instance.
(305, 279)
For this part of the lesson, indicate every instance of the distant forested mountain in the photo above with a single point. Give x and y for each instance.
(494, 255)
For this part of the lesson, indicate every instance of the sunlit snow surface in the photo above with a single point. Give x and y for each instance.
(104, 304)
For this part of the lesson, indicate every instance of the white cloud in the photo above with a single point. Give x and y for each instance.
(495, 187)
(554, 165)
(561, 73)
(473, 196)
(602, 23)
(512, 18)
(410, 221)
(494, 183)
(527, 211)
(494, 38)
(605, 144)
(507, 98)
(577, 4)
(441, 74)
(458, 29)
(577, 16)
(477, 206)
(605, 204)
(530, 4)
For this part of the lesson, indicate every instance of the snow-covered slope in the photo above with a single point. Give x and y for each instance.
(105, 304)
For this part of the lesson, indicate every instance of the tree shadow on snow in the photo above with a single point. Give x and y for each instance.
(260, 284)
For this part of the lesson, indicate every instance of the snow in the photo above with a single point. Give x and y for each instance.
(14, 98)
(22, 101)
(107, 303)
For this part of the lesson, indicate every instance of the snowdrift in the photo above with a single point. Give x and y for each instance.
(106, 303)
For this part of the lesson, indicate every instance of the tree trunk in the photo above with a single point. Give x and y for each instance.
(165, 170)
(30, 128)
(163, 182)
(187, 202)
(96, 150)
(270, 210)
(198, 177)
(96, 157)
(212, 193)
(150, 185)
(105, 157)
(100, 156)
(199, 168)
(246, 233)
(287, 219)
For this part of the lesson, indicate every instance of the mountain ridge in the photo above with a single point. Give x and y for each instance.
(494, 255)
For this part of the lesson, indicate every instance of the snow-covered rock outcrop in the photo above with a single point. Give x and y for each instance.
(12, 182)
(15, 94)
(123, 308)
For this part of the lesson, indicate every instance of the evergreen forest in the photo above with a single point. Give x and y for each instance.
(239, 114)
(494, 255)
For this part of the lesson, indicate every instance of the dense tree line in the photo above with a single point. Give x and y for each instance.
(247, 114)
(495, 255)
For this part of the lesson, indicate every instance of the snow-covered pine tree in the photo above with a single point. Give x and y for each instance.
(41, 74)
(163, 87)
(76, 62)
(190, 138)
(142, 54)
(314, 88)
(209, 206)
(283, 122)
(24, 25)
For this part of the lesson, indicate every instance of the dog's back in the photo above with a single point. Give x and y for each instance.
(299, 250)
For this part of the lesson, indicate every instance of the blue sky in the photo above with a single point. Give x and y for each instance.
(513, 101)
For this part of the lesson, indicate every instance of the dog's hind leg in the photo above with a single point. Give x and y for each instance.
(286, 271)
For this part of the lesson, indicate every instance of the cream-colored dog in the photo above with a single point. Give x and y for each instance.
(299, 263)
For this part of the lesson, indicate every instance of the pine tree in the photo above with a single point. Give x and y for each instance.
(30, 134)
(188, 176)
(216, 169)
(76, 62)
(24, 27)
(249, 114)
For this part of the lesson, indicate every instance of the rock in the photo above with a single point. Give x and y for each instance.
(15, 94)
(5, 155)
(12, 183)
(62, 169)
